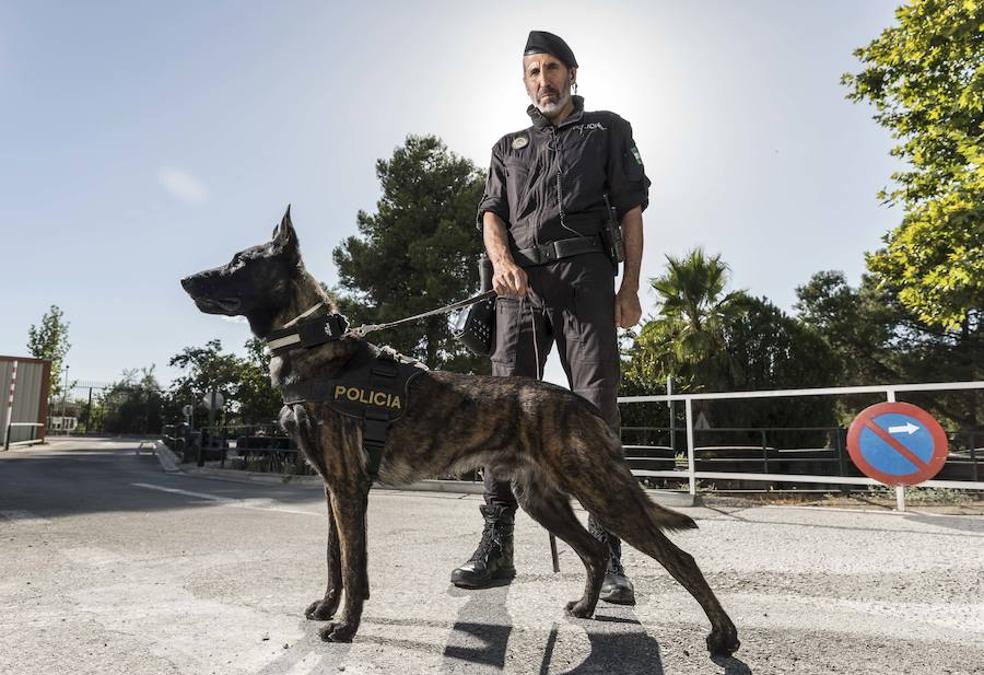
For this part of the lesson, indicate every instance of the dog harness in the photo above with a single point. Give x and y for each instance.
(373, 388)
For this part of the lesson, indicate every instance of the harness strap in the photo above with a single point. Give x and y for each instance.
(375, 427)
(556, 250)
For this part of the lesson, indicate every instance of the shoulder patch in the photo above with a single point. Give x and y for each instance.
(520, 142)
(635, 153)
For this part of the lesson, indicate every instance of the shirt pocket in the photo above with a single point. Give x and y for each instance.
(518, 189)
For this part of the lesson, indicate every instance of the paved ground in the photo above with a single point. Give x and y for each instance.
(109, 565)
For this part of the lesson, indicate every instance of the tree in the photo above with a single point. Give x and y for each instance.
(50, 341)
(709, 340)
(204, 368)
(259, 402)
(243, 382)
(860, 326)
(875, 339)
(132, 405)
(687, 334)
(925, 77)
(419, 251)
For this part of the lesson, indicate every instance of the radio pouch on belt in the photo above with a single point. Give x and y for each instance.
(611, 236)
(475, 324)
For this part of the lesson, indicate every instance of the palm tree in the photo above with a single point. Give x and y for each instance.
(686, 338)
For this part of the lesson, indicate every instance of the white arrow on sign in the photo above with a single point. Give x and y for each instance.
(909, 428)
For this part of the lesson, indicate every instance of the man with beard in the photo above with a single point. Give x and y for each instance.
(550, 192)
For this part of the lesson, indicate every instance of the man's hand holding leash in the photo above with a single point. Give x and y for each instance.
(508, 278)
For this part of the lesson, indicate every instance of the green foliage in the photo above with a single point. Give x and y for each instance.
(49, 341)
(858, 325)
(709, 340)
(244, 383)
(875, 339)
(687, 335)
(258, 400)
(133, 405)
(925, 77)
(418, 251)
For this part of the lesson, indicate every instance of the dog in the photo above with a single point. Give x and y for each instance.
(551, 442)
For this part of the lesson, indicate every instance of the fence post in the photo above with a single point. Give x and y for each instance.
(765, 452)
(973, 454)
(669, 403)
(690, 446)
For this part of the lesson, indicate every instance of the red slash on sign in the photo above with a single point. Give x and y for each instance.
(897, 444)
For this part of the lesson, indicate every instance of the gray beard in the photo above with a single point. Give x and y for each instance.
(551, 110)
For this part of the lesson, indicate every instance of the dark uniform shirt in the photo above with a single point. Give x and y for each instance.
(549, 183)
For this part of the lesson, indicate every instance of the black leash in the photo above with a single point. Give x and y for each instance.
(362, 331)
(305, 331)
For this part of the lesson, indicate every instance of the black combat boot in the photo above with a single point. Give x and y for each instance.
(617, 589)
(492, 562)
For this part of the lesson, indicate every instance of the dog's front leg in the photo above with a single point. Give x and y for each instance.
(324, 609)
(349, 501)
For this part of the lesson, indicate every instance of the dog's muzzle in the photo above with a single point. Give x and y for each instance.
(207, 304)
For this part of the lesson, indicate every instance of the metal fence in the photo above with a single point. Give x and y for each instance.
(784, 465)
(260, 447)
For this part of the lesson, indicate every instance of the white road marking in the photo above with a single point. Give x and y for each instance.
(187, 493)
(253, 503)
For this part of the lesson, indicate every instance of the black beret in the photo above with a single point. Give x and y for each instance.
(542, 42)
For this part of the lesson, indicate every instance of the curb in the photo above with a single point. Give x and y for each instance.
(167, 459)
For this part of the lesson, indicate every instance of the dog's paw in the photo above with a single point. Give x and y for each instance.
(338, 631)
(578, 609)
(322, 610)
(723, 643)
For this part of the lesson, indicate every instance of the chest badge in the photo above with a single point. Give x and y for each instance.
(520, 142)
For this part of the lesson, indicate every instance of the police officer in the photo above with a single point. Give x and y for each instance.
(551, 190)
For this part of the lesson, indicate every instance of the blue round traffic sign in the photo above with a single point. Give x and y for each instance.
(897, 444)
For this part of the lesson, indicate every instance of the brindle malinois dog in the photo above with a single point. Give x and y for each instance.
(552, 443)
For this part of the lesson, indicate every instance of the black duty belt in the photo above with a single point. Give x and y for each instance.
(557, 250)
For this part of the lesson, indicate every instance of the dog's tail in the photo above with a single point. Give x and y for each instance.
(668, 519)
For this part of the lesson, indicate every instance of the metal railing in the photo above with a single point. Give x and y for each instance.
(691, 474)
(10, 427)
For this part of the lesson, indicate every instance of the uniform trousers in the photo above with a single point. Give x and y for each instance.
(571, 302)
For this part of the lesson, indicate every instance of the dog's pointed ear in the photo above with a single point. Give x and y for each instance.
(284, 235)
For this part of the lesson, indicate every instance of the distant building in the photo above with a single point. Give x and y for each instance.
(24, 384)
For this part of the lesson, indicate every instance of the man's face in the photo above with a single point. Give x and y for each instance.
(548, 83)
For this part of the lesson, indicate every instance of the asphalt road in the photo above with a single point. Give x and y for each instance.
(109, 565)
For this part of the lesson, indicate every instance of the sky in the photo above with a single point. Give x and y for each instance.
(141, 142)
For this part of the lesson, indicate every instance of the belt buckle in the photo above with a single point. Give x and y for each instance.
(553, 251)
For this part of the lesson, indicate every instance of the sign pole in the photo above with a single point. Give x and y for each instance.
(899, 489)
